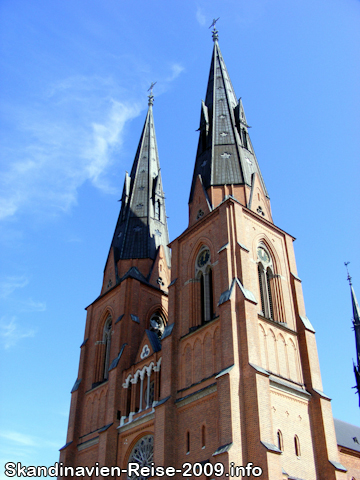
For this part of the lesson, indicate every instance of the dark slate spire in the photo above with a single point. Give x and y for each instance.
(225, 154)
(142, 225)
(356, 323)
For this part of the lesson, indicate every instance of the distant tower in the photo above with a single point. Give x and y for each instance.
(356, 323)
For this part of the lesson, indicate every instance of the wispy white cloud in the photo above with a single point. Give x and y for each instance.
(200, 17)
(105, 137)
(11, 333)
(31, 306)
(66, 138)
(176, 70)
(10, 284)
(19, 438)
(18, 446)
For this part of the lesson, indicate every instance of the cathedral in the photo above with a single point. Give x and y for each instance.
(198, 355)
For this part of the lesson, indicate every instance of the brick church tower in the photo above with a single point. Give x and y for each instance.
(213, 361)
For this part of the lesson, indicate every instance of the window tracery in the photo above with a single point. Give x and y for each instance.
(203, 273)
(143, 454)
(157, 324)
(149, 394)
(265, 273)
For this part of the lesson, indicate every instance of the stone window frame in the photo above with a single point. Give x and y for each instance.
(204, 275)
(265, 274)
(143, 454)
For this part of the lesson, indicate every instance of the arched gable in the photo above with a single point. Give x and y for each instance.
(154, 309)
(132, 445)
(268, 244)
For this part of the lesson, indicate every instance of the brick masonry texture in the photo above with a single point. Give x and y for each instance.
(235, 376)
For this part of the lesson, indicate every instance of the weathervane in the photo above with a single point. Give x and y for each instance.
(151, 96)
(214, 31)
(348, 277)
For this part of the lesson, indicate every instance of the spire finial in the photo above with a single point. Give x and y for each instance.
(348, 277)
(151, 96)
(215, 35)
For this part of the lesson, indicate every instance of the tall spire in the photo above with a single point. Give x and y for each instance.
(142, 224)
(356, 324)
(225, 155)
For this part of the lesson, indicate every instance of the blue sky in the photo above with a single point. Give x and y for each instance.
(73, 101)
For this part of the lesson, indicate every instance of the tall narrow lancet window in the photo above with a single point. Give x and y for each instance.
(269, 276)
(107, 345)
(265, 273)
(157, 210)
(244, 138)
(204, 275)
(187, 442)
(280, 440)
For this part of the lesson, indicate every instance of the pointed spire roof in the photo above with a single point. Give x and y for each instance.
(225, 154)
(142, 224)
(356, 324)
(355, 306)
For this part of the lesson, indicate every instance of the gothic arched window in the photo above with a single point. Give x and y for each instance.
(157, 324)
(265, 273)
(149, 394)
(203, 273)
(107, 345)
